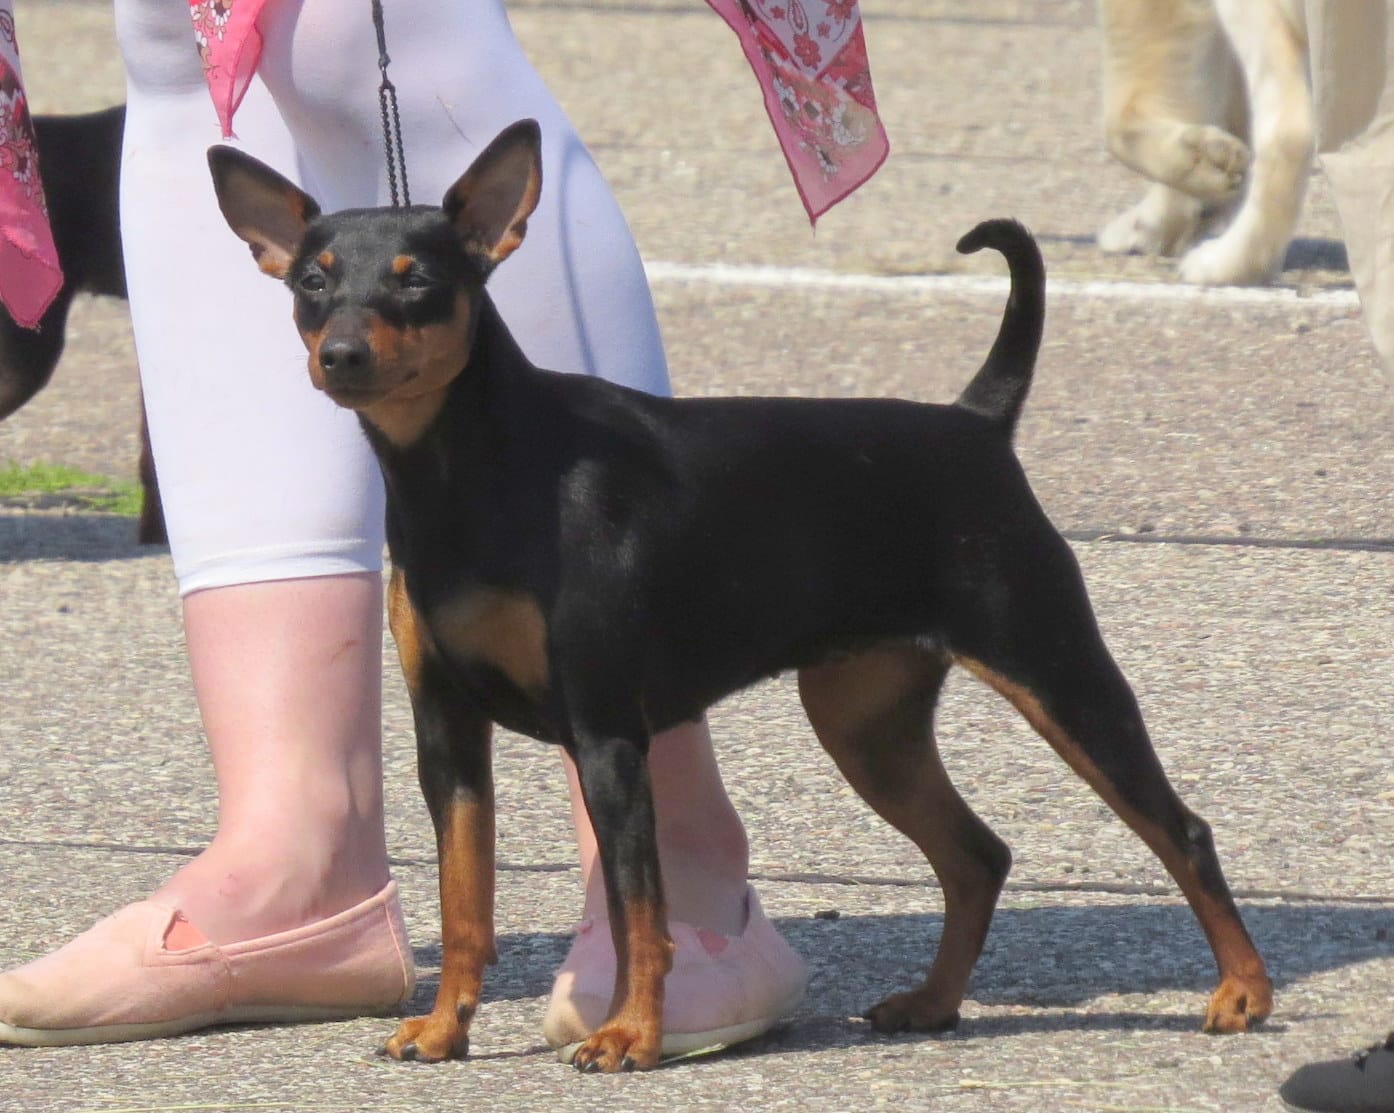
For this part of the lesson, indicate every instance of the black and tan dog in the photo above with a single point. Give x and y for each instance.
(589, 565)
(80, 159)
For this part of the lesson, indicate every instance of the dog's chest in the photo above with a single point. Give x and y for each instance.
(494, 643)
(493, 627)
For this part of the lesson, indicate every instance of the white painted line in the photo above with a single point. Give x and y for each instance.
(726, 274)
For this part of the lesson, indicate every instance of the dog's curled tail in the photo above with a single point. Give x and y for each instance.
(998, 390)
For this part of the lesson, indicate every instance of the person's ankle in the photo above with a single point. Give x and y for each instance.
(232, 893)
(696, 894)
(723, 988)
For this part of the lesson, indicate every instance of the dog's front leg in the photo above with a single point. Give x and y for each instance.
(455, 768)
(612, 764)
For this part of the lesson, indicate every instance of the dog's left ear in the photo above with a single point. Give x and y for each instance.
(269, 212)
(493, 199)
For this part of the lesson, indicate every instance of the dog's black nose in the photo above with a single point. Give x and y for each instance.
(345, 356)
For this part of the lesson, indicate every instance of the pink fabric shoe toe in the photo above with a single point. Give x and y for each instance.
(721, 991)
(145, 972)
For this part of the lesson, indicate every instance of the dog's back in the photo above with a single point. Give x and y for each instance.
(647, 479)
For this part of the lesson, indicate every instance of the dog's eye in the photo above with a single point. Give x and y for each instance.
(312, 282)
(417, 280)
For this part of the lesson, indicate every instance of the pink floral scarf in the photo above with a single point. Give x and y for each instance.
(29, 274)
(808, 55)
(230, 46)
(810, 59)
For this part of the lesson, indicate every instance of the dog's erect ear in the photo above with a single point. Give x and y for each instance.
(263, 208)
(493, 199)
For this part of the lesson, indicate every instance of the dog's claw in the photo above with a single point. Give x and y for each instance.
(911, 1012)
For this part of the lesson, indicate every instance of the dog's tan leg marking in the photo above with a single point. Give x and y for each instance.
(467, 937)
(874, 713)
(408, 632)
(1245, 993)
(465, 851)
(632, 1037)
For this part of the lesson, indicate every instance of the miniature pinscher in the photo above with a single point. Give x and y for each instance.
(589, 565)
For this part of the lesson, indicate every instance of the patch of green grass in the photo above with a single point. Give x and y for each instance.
(57, 482)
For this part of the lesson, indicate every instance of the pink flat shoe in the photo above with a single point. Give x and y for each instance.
(721, 991)
(129, 977)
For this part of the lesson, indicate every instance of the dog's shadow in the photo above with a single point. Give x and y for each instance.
(1304, 253)
(1047, 960)
(1311, 254)
(89, 536)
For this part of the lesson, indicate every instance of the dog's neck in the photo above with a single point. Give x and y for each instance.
(398, 421)
(398, 428)
(435, 476)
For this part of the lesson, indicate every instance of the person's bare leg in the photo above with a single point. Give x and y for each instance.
(288, 679)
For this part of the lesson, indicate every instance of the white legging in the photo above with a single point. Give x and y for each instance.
(262, 477)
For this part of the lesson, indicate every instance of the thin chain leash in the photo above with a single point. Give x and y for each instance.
(391, 122)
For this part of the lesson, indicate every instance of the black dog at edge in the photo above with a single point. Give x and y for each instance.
(80, 160)
(588, 565)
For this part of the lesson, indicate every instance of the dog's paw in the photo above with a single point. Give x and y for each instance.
(1232, 259)
(1153, 226)
(1129, 234)
(1239, 1003)
(917, 1011)
(429, 1039)
(617, 1047)
(1212, 162)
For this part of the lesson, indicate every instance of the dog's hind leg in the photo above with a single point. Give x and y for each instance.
(873, 713)
(1168, 80)
(1043, 652)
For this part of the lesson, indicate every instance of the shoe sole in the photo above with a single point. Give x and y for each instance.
(693, 1045)
(129, 1033)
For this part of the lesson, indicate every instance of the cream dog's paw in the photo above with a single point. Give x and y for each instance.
(1213, 162)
